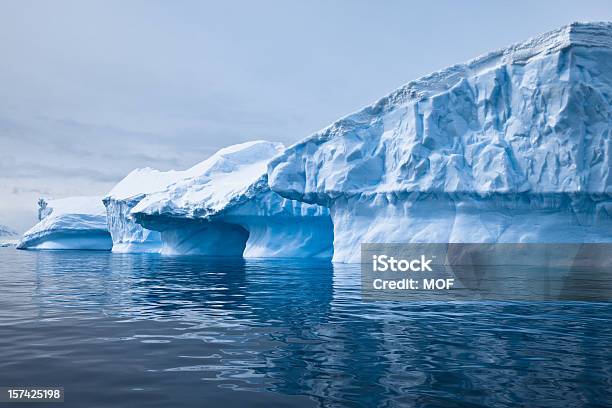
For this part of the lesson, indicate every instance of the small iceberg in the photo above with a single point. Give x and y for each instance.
(69, 223)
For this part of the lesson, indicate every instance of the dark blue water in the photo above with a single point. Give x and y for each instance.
(150, 331)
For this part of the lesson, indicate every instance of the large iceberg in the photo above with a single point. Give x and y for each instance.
(513, 146)
(69, 223)
(222, 206)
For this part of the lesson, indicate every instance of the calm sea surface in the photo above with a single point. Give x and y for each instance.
(151, 331)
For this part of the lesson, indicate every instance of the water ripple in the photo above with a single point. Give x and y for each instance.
(144, 330)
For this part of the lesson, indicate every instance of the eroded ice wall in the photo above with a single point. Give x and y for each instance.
(513, 146)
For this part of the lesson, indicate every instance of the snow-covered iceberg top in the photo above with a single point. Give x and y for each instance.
(532, 117)
(224, 206)
(215, 184)
(69, 223)
(513, 146)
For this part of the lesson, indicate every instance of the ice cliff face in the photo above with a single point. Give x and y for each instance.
(513, 146)
(70, 223)
(127, 235)
(224, 207)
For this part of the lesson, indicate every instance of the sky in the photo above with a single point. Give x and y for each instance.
(90, 90)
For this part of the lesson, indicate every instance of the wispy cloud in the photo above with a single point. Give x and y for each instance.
(39, 171)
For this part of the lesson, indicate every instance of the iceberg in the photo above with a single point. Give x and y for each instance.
(69, 223)
(511, 147)
(223, 206)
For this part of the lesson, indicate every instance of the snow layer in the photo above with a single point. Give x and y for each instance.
(513, 146)
(224, 207)
(70, 223)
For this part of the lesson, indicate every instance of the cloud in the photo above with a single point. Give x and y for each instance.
(22, 190)
(40, 171)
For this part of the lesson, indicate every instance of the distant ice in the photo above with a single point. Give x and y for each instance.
(70, 223)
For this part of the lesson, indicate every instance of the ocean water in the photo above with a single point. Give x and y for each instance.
(149, 331)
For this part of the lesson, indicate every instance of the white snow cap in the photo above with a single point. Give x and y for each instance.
(91, 205)
(146, 181)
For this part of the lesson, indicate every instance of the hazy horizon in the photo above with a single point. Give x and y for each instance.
(92, 90)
